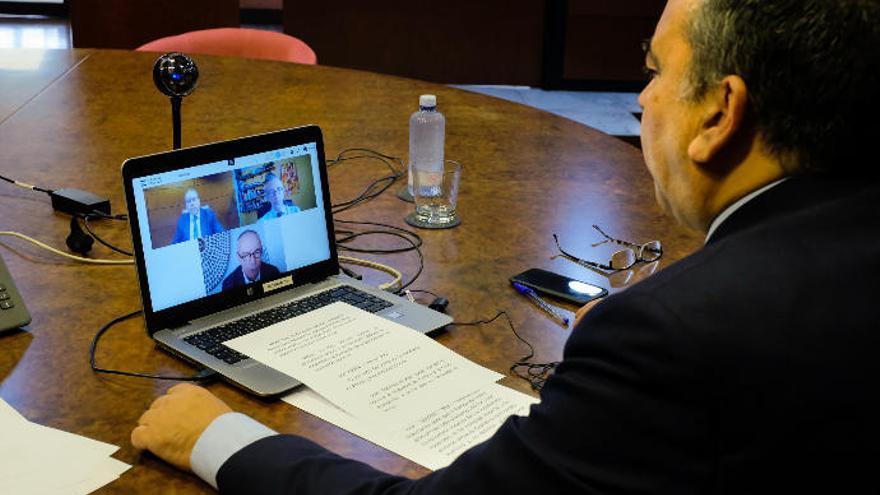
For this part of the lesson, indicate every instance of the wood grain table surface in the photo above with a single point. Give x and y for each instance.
(70, 118)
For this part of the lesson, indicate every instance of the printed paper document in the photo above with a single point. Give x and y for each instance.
(437, 438)
(386, 383)
(372, 368)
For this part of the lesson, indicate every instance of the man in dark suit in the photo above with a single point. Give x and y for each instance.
(196, 220)
(251, 268)
(750, 366)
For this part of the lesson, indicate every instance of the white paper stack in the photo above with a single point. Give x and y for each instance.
(380, 380)
(37, 460)
(435, 439)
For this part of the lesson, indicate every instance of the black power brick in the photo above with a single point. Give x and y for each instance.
(76, 202)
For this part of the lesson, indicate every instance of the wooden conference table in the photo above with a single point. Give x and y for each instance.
(69, 119)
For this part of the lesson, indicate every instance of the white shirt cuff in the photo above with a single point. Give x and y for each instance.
(225, 436)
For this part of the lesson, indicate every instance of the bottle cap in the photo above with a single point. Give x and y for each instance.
(427, 101)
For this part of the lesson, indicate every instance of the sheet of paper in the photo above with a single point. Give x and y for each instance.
(50, 482)
(434, 439)
(108, 472)
(370, 367)
(36, 459)
(8, 413)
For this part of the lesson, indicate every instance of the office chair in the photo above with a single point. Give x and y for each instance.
(236, 42)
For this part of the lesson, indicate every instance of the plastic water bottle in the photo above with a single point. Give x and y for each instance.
(427, 131)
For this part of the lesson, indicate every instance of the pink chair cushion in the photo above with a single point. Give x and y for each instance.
(236, 42)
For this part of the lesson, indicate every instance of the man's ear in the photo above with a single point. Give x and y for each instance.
(723, 117)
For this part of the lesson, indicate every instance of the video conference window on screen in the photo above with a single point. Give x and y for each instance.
(217, 226)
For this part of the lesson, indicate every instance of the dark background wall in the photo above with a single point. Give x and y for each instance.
(131, 23)
(558, 44)
(451, 41)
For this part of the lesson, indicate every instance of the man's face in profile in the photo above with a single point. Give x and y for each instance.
(669, 121)
(274, 191)
(191, 202)
(250, 254)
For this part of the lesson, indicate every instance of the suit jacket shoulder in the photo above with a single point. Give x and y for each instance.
(234, 279)
(268, 271)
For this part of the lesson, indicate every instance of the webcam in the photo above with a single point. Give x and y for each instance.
(175, 74)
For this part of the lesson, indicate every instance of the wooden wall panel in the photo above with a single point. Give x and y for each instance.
(603, 38)
(489, 42)
(131, 23)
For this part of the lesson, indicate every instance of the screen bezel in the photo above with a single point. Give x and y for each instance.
(134, 168)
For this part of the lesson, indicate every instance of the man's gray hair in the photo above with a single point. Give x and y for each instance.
(249, 231)
(811, 67)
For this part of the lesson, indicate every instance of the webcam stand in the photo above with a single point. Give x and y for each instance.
(175, 121)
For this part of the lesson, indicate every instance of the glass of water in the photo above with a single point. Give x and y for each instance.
(435, 191)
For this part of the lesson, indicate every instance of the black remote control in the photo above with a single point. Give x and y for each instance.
(13, 313)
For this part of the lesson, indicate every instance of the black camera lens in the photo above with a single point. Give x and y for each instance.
(175, 74)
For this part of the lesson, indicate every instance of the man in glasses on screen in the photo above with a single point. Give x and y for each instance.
(273, 193)
(252, 268)
(750, 366)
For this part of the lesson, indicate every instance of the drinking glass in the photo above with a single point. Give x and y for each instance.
(435, 191)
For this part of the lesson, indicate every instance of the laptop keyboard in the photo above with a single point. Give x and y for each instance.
(211, 340)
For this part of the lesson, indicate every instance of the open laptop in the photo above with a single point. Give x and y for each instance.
(234, 236)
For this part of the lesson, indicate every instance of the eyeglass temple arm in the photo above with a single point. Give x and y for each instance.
(617, 241)
(580, 261)
(563, 251)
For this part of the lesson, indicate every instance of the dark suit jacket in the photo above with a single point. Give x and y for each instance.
(752, 366)
(236, 278)
(208, 223)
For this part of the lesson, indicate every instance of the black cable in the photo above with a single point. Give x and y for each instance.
(85, 219)
(26, 186)
(375, 188)
(414, 243)
(418, 272)
(101, 214)
(367, 194)
(372, 154)
(414, 240)
(351, 273)
(535, 373)
(201, 375)
(414, 246)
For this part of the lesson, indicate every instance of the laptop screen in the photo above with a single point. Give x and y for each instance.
(215, 227)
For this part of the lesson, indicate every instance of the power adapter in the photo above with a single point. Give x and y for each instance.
(76, 202)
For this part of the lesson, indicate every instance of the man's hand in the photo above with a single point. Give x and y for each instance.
(175, 421)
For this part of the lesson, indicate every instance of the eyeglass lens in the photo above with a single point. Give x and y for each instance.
(650, 251)
(623, 259)
(258, 253)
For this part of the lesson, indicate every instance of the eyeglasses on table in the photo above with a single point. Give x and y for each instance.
(622, 259)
